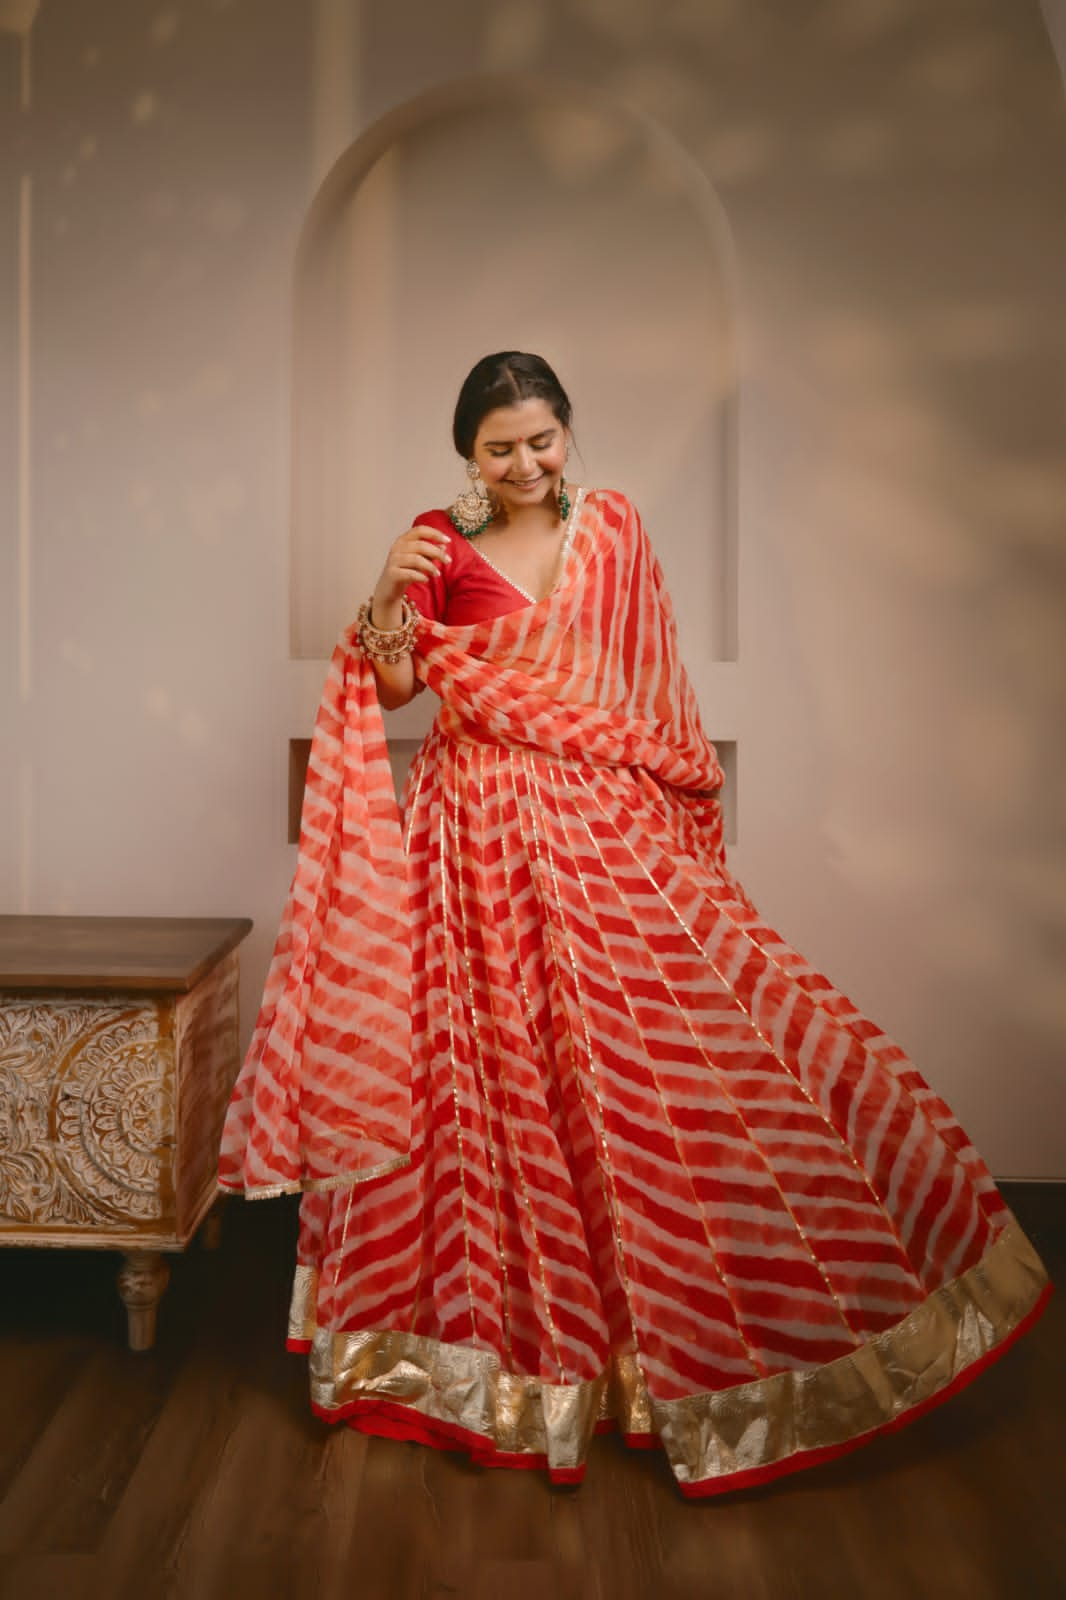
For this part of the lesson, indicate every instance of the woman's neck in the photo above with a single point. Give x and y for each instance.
(529, 519)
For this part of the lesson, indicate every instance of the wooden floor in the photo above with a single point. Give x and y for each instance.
(197, 1470)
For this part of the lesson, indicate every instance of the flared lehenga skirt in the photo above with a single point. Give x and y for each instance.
(664, 1177)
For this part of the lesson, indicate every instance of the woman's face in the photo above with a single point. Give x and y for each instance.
(521, 451)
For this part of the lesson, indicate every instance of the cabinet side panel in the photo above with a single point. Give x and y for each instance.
(208, 1059)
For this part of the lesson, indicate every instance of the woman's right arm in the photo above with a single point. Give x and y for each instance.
(415, 556)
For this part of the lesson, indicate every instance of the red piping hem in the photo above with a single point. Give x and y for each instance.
(387, 1419)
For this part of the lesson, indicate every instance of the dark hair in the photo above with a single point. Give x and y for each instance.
(503, 380)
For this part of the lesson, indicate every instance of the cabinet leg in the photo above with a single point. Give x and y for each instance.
(141, 1280)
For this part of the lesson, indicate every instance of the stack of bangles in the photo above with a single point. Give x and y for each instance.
(386, 644)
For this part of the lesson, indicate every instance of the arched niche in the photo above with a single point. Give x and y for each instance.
(512, 213)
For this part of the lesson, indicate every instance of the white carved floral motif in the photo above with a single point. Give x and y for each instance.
(85, 1109)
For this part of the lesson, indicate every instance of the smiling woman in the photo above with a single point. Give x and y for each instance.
(585, 1143)
(512, 424)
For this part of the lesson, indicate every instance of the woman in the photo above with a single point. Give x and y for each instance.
(584, 1142)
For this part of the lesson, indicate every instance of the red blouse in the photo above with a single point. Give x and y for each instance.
(468, 588)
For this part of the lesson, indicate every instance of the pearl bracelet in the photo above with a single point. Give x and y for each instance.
(386, 644)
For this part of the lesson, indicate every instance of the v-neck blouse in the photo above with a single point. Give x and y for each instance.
(469, 588)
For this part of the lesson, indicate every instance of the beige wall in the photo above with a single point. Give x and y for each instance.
(888, 176)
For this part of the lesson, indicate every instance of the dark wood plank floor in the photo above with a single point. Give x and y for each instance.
(197, 1470)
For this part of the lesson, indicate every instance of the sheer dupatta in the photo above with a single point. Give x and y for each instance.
(324, 1096)
(591, 673)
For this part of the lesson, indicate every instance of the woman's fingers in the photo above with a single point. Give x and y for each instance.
(430, 553)
(424, 560)
(413, 567)
(416, 560)
(415, 556)
(427, 541)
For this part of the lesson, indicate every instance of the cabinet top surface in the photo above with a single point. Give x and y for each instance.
(100, 953)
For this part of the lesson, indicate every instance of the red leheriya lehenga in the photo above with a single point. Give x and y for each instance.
(584, 1143)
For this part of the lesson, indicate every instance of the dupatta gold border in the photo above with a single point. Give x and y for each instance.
(751, 1427)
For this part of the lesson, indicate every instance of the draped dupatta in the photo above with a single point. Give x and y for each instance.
(592, 673)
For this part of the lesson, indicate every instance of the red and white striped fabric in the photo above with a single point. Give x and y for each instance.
(660, 1174)
(324, 1095)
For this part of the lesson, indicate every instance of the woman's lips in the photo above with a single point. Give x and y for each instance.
(530, 483)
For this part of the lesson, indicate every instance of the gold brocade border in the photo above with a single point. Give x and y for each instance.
(707, 1436)
(302, 1304)
(760, 1423)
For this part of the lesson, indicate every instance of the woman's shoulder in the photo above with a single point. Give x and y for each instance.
(458, 546)
(441, 520)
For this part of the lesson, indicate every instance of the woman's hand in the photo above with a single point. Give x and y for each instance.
(415, 556)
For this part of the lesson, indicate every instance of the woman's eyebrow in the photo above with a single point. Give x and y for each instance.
(496, 444)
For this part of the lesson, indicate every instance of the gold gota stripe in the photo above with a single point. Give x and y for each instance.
(793, 1073)
(608, 1187)
(719, 1077)
(874, 1047)
(516, 1147)
(707, 1436)
(753, 1356)
(490, 1141)
(515, 1141)
(606, 1191)
(414, 793)
(449, 968)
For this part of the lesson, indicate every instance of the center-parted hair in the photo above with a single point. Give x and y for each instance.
(504, 379)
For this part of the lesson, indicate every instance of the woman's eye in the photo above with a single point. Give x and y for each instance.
(534, 444)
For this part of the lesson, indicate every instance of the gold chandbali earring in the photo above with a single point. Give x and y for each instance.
(473, 509)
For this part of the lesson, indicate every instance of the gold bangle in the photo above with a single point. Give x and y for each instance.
(386, 644)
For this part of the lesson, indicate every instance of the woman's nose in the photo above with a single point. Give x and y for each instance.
(524, 465)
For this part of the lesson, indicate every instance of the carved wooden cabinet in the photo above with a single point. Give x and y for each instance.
(118, 1050)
